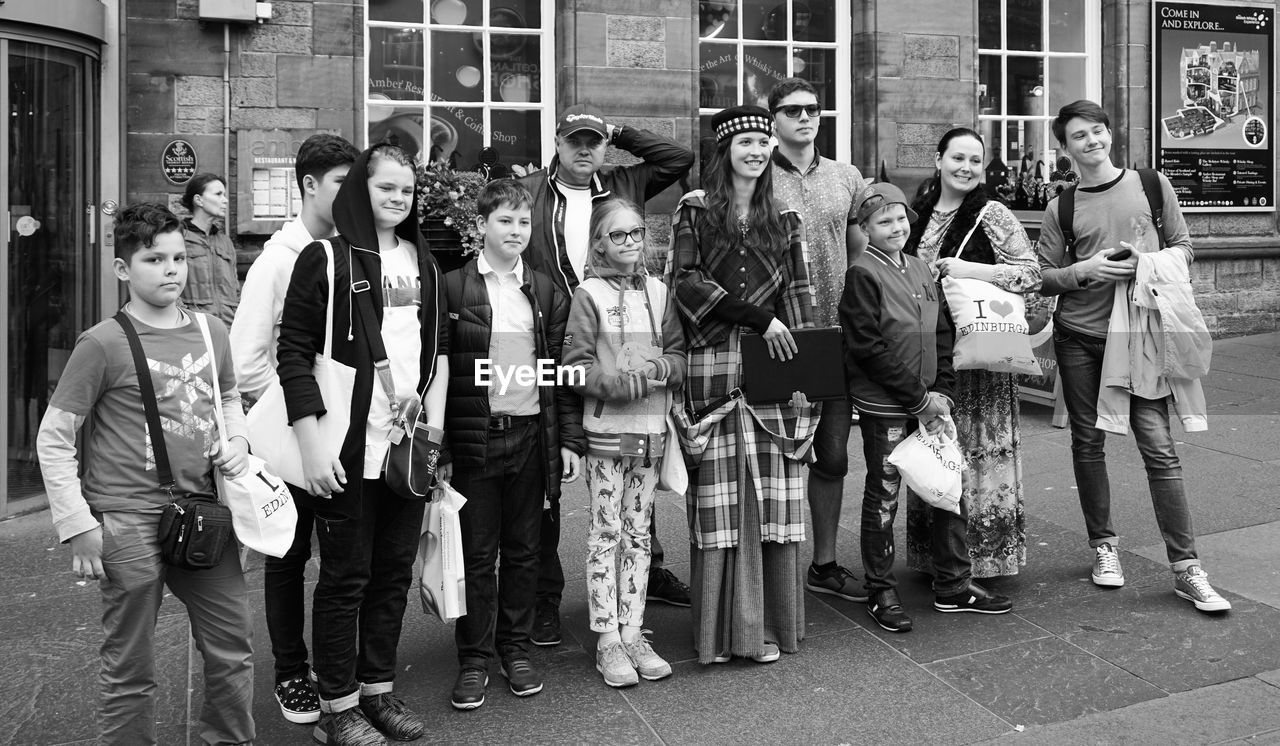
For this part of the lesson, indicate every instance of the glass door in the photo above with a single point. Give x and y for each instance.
(48, 265)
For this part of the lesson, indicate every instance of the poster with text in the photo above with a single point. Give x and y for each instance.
(1212, 92)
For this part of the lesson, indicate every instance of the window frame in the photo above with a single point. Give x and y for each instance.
(546, 106)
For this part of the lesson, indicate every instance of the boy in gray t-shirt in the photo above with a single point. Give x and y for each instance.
(111, 516)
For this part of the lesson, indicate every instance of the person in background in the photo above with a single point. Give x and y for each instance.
(213, 285)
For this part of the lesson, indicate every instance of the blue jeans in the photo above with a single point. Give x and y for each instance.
(951, 567)
(501, 517)
(283, 584)
(366, 567)
(1080, 369)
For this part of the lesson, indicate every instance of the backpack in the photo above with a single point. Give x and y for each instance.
(1155, 201)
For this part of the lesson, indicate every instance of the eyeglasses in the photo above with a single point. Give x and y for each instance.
(620, 237)
(792, 111)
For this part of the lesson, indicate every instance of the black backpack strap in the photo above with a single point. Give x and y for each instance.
(163, 472)
(1066, 216)
(1155, 199)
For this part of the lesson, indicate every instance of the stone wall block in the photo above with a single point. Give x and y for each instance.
(253, 92)
(916, 156)
(256, 65)
(1244, 323)
(679, 36)
(336, 28)
(153, 9)
(291, 13)
(891, 56)
(921, 134)
(1241, 224)
(197, 90)
(922, 46)
(1271, 273)
(645, 54)
(1238, 274)
(168, 48)
(270, 37)
(150, 102)
(636, 28)
(591, 40)
(932, 67)
(656, 8)
(1255, 301)
(1197, 224)
(621, 92)
(1217, 303)
(313, 81)
(188, 8)
(266, 119)
(1204, 277)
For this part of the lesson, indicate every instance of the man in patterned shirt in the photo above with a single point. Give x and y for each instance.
(824, 192)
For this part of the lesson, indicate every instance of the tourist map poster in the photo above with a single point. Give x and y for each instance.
(1212, 82)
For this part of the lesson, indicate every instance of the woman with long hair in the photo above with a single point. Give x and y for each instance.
(986, 411)
(737, 265)
(212, 286)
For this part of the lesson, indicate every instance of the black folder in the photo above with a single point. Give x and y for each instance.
(817, 369)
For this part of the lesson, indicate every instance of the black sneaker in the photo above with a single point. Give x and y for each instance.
(837, 581)
(546, 625)
(347, 728)
(664, 586)
(521, 677)
(975, 598)
(389, 714)
(298, 700)
(469, 689)
(886, 609)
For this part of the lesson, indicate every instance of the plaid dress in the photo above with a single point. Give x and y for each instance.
(774, 439)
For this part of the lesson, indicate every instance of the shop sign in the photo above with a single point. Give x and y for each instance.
(1213, 79)
(269, 194)
(178, 162)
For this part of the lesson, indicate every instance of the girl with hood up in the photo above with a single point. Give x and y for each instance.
(368, 535)
(627, 337)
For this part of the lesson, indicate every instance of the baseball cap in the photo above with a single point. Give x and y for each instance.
(581, 117)
(878, 195)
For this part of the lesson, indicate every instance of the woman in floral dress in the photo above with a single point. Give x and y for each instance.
(986, 403)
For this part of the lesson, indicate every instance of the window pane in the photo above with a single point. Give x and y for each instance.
(818, 66)
(409, 11)
(826, 140)
(516, 13)
(819, 24)
(515, 66)
(761, 68)
(1025, 24)
(454, 12)
(1066, 81)
(764, 19)
(398, 125)
(717, 20)
(516, 138)
(1067, 25)
(395, 64)
(706, 143)
(990, 84)
(996, 168)
(1026, 86)
(718, 76)
(989, 24)
(457, 135)
(456, 66)
(1026, 146)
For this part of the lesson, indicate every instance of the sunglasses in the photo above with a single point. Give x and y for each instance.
(792, 111)
(620, 237)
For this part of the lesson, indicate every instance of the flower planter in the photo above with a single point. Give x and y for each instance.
(444, 243)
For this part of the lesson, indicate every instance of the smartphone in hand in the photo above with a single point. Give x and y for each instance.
(1120, 256)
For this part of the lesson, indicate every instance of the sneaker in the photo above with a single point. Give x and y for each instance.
(615, 666)
(975, 598)
(523, 680)
(347, 728)
(469, 689)
(1193, 585)
(298, 701)
(886, 609)
(770, 654)
(546, 625)
(647, 663)
(1106, 567)
(837, 581)
(389, 714)
(664, 586)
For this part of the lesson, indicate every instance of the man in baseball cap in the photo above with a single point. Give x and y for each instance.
(582, 117)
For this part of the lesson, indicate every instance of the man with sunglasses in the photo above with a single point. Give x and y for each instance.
(563, 196)
(824, 192)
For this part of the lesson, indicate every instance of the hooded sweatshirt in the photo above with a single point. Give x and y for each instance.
(303, 323)
(617, 323)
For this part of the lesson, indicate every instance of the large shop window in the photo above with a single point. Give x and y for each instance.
(745, 46)
(1034, 56)
(468, 81)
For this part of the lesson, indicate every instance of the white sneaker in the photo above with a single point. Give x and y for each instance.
(614, 665)
(1193, 585)
(1106, 567)
(647, 663)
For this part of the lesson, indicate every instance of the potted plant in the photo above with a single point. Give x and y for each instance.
(447, 208)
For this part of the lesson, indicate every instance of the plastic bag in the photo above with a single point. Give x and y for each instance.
(442, 585)
(932, 466)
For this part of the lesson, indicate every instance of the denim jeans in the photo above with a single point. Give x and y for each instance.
(1080, 370)
(283, 586)
(951, 568)
(366, 567)
(500, 545)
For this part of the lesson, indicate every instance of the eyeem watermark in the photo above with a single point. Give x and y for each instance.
(543, 373)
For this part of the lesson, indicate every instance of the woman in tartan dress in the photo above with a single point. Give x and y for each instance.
(738, 264)
(986, 411)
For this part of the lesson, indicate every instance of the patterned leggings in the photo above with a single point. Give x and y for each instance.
(621, 508)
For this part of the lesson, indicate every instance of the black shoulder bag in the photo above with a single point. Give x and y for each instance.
(195, 528)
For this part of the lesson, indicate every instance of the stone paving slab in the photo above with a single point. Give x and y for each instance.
(1042, 681)
(1245, 560)
(1233, 710)
(1271, 677)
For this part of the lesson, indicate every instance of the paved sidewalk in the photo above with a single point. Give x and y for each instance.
(1072, 664)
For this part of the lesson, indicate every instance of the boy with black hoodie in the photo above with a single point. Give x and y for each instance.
(368, 535)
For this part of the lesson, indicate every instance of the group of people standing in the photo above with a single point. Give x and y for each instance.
(780, 238)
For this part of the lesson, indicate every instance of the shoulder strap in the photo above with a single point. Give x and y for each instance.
(1155, 199)
(149, 406)
(362, 290)
(1066, 215)
(976, 224)
(219, 418)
